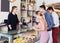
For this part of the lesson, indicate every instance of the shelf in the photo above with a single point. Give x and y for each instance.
(28, 10)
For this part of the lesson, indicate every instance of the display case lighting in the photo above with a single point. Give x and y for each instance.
(11, 0)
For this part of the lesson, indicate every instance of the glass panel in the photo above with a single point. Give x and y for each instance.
(5, 5)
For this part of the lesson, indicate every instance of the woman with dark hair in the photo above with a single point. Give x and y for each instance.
(12, 19)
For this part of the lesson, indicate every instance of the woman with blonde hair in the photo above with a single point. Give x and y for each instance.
(13, 19)
(41, 27)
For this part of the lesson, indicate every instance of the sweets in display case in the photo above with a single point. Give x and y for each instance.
(27, 39)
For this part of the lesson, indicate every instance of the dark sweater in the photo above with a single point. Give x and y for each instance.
(12, 20)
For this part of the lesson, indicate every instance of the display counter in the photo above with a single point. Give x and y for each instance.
(3, 28)
(26, 37)
(30, 35)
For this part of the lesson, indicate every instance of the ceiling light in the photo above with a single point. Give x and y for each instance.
(11, 0)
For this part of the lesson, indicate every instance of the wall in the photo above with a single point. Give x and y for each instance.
(4, 15)
(47, 2)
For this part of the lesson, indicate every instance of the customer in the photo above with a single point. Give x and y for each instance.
(49, 10)
(49, 20)
(12, 19)
(41, 27)
(55, 29)
(37, 17)
(37, 20)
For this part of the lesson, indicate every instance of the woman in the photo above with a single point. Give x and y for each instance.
(41, 26)
(12, 19)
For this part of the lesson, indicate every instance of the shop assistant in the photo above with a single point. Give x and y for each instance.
(13, 19)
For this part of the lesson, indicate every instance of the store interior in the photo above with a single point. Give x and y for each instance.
(26, 9)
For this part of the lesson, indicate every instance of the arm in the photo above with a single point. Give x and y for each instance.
(17, 19)
(9, 21)
(39, 27)
(18, 22)
(46, 28)
(49, 20)
(56, 19)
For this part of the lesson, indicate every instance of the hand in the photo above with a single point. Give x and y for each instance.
(20, 23)
(10, 27)
(33, 28)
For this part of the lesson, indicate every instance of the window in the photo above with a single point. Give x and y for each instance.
(4, 5)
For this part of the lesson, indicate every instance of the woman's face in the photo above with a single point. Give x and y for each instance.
(39, 13)
(50, 11)
(15, 10)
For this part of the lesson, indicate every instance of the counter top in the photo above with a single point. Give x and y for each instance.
(2, 24)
